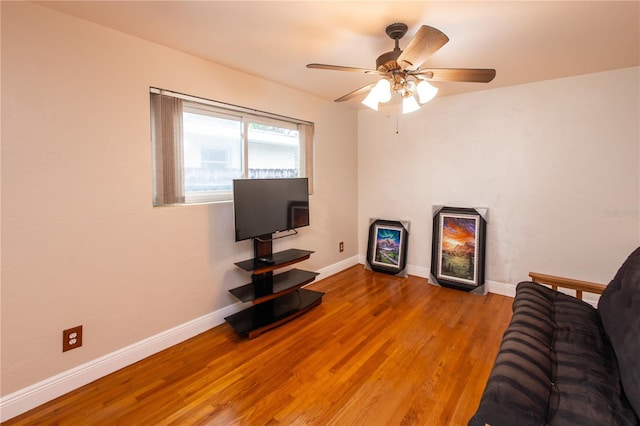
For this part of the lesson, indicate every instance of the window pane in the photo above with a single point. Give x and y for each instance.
(274, 152)
(212, 152)
(200, 146)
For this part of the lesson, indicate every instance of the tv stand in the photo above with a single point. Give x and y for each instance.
(276, 298)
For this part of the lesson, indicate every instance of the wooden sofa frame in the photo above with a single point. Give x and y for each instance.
(569, 283)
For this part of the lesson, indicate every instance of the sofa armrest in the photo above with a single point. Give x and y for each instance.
(577, 285)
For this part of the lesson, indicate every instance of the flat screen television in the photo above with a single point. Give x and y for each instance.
(262, 207)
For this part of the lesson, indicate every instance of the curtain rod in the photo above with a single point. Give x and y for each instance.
(238, 108)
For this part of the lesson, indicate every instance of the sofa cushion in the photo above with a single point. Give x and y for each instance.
(586, 387)
(619, 309)
(518, 389)
(555, 366)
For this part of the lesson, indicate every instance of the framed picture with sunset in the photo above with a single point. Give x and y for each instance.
(458, 248)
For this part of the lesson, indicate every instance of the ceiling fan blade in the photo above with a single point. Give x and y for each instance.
(356, 92)
(426, 42)
(472, 75)
(340, 68)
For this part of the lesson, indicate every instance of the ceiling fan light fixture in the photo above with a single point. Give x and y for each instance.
(383, 90)
(409, 104)
(401, 76)
(371, 100)
(426, 91)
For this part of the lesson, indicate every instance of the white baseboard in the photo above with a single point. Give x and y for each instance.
(501, 288)
(418, 271)
(337, 267)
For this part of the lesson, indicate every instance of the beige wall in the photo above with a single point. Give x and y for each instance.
(556, 162)
(81, 242)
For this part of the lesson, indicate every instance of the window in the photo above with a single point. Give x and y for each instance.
(200, 146)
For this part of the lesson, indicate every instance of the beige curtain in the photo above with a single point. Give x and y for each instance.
(166, 133)
(305, 132)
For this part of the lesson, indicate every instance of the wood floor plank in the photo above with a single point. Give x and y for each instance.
(379, 350)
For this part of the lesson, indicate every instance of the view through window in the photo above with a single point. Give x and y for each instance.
(210, 145)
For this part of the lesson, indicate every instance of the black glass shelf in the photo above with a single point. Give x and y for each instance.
(265, 288)
(259, 318)
(277, 298)
(276, 260)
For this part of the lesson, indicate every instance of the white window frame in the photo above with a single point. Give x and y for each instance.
(246, 116)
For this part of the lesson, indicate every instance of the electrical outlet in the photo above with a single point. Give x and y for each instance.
(71, 338)
(341, 246)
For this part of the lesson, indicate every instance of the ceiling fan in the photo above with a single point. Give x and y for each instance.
(401, 73)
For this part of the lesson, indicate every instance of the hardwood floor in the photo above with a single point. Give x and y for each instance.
(379, 350)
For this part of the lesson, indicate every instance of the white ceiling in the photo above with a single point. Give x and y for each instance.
(525, 41)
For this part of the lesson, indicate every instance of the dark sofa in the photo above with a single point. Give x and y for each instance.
(563, 362)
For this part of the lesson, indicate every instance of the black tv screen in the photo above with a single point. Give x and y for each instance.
(265, 206)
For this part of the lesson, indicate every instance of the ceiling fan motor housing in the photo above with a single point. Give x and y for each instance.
(388, 61)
